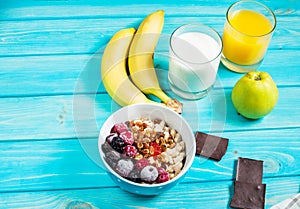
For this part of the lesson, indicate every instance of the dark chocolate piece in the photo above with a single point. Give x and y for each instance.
(249, 170)
(248, 195)
(210, 146)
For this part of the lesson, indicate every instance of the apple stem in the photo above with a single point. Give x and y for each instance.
(257, 78)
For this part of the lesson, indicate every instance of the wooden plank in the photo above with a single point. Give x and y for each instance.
(32, 9)
(58, 164)
(21, 117)
(60, 74)
(213, 195)
(40, 37)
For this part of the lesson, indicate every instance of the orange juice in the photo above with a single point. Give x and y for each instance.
(246, 37)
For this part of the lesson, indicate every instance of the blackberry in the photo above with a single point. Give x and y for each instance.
(110, 137)
(118, 144)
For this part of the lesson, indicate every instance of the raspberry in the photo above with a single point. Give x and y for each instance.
(142, 163)
(149, 174)
(110, 137)
(124, 167)
(163, 175)
(118, 144)
(156, 147)
(127, 137)
(130, 150)
(119, 128)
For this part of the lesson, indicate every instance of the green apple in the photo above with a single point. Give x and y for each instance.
(255, 95)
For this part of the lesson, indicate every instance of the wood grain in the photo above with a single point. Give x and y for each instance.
(53, 103)
(213, 195)
(58, 164)
(66, 116)
(31, 9)
(44, 37)
(60, 74)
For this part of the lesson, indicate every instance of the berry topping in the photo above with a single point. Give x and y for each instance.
(106, 147)
(130, 150)
(156, 147)
(149, 174)
(111, 162)
(134, 176)
(113, 155)
(110, 137)
(127, 137)
(118, 144)
(119, 128)
(142, 163)
(124, 167)
(163, 175)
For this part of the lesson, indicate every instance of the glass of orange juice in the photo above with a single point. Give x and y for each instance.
(247, 33)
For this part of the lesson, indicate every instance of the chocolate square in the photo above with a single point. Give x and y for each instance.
(248, 195)
(210, 146)
(249, 170)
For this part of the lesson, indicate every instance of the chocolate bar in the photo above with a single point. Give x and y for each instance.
(210, 146)
(249, 192)
(249, 170)
(248, 195)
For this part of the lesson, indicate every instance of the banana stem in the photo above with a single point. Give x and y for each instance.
(161, 95)
(171, 103)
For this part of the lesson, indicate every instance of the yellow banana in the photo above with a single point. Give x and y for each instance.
(113, 70)
(140, 60)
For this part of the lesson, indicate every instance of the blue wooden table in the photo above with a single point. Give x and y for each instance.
(53, 103)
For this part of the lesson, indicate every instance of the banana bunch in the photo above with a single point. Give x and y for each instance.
(136, 48)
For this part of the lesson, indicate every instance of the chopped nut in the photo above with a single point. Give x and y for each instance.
(177, 137)
(166, 129)
(173, 133)
(171, 175)
(135, 128)
(151, 160)
(171, 146)
(166, 135)
(146, 140)
(177, 168)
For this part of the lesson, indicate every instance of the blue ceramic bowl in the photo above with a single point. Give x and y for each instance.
(151, 111)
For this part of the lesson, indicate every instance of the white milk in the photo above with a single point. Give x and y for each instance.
(194, 61)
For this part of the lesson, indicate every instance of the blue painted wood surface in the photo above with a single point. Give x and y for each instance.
(53, 103)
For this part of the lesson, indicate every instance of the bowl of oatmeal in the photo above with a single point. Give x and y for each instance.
(146, 148)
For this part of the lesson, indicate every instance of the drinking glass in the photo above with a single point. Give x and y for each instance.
(247, 33)
(195, 51)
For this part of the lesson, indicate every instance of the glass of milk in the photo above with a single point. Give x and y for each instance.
(195, 51)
